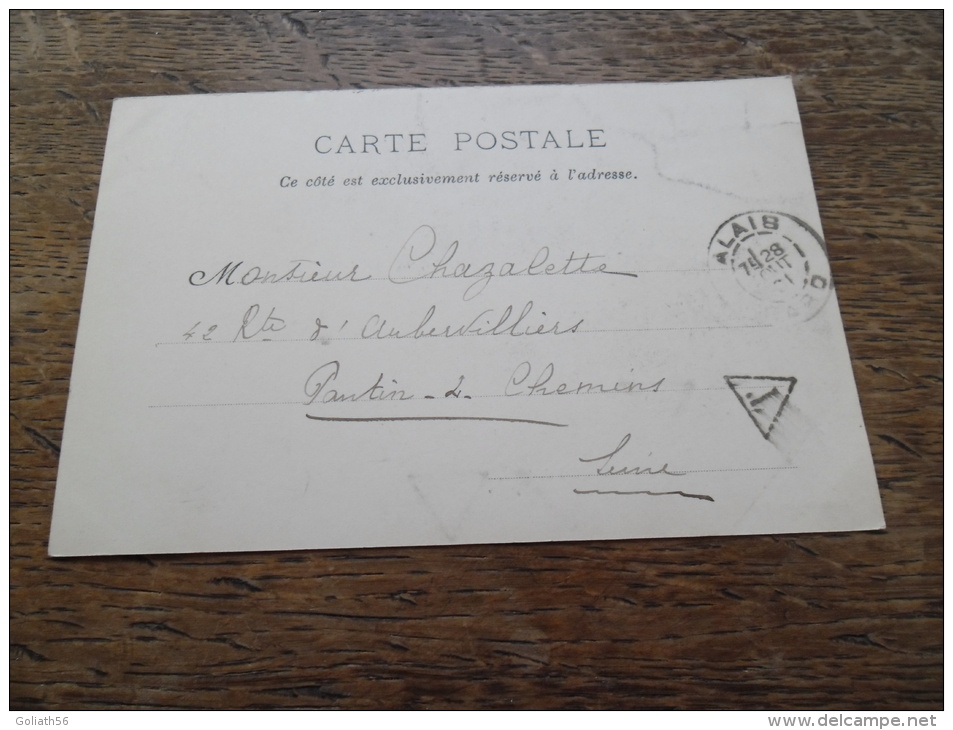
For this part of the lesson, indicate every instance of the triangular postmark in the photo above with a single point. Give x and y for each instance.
(763, 398)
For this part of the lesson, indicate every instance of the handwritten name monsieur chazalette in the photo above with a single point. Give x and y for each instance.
(422, 256)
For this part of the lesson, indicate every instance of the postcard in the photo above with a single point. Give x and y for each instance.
(401, 317)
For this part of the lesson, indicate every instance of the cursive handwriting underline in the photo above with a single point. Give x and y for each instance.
(377, 419)
(680, 493)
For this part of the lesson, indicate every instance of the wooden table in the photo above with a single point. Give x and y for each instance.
(806, 621)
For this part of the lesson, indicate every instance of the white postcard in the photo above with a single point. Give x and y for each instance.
(446, 316)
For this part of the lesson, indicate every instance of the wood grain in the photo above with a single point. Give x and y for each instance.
(812, 621)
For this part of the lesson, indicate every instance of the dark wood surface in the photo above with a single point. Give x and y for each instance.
(807, 621)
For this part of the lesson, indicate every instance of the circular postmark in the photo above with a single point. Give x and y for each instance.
(776, 258)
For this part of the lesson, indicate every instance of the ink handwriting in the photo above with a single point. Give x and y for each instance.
(422, 257)
(526, 381)
(487, 322)
(608, 468)
(302, 271)
(252, 325)
(316, 387)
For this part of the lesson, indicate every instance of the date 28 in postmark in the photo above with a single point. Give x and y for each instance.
(776, 258)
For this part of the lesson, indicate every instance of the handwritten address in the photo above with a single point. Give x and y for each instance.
(327, 384)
